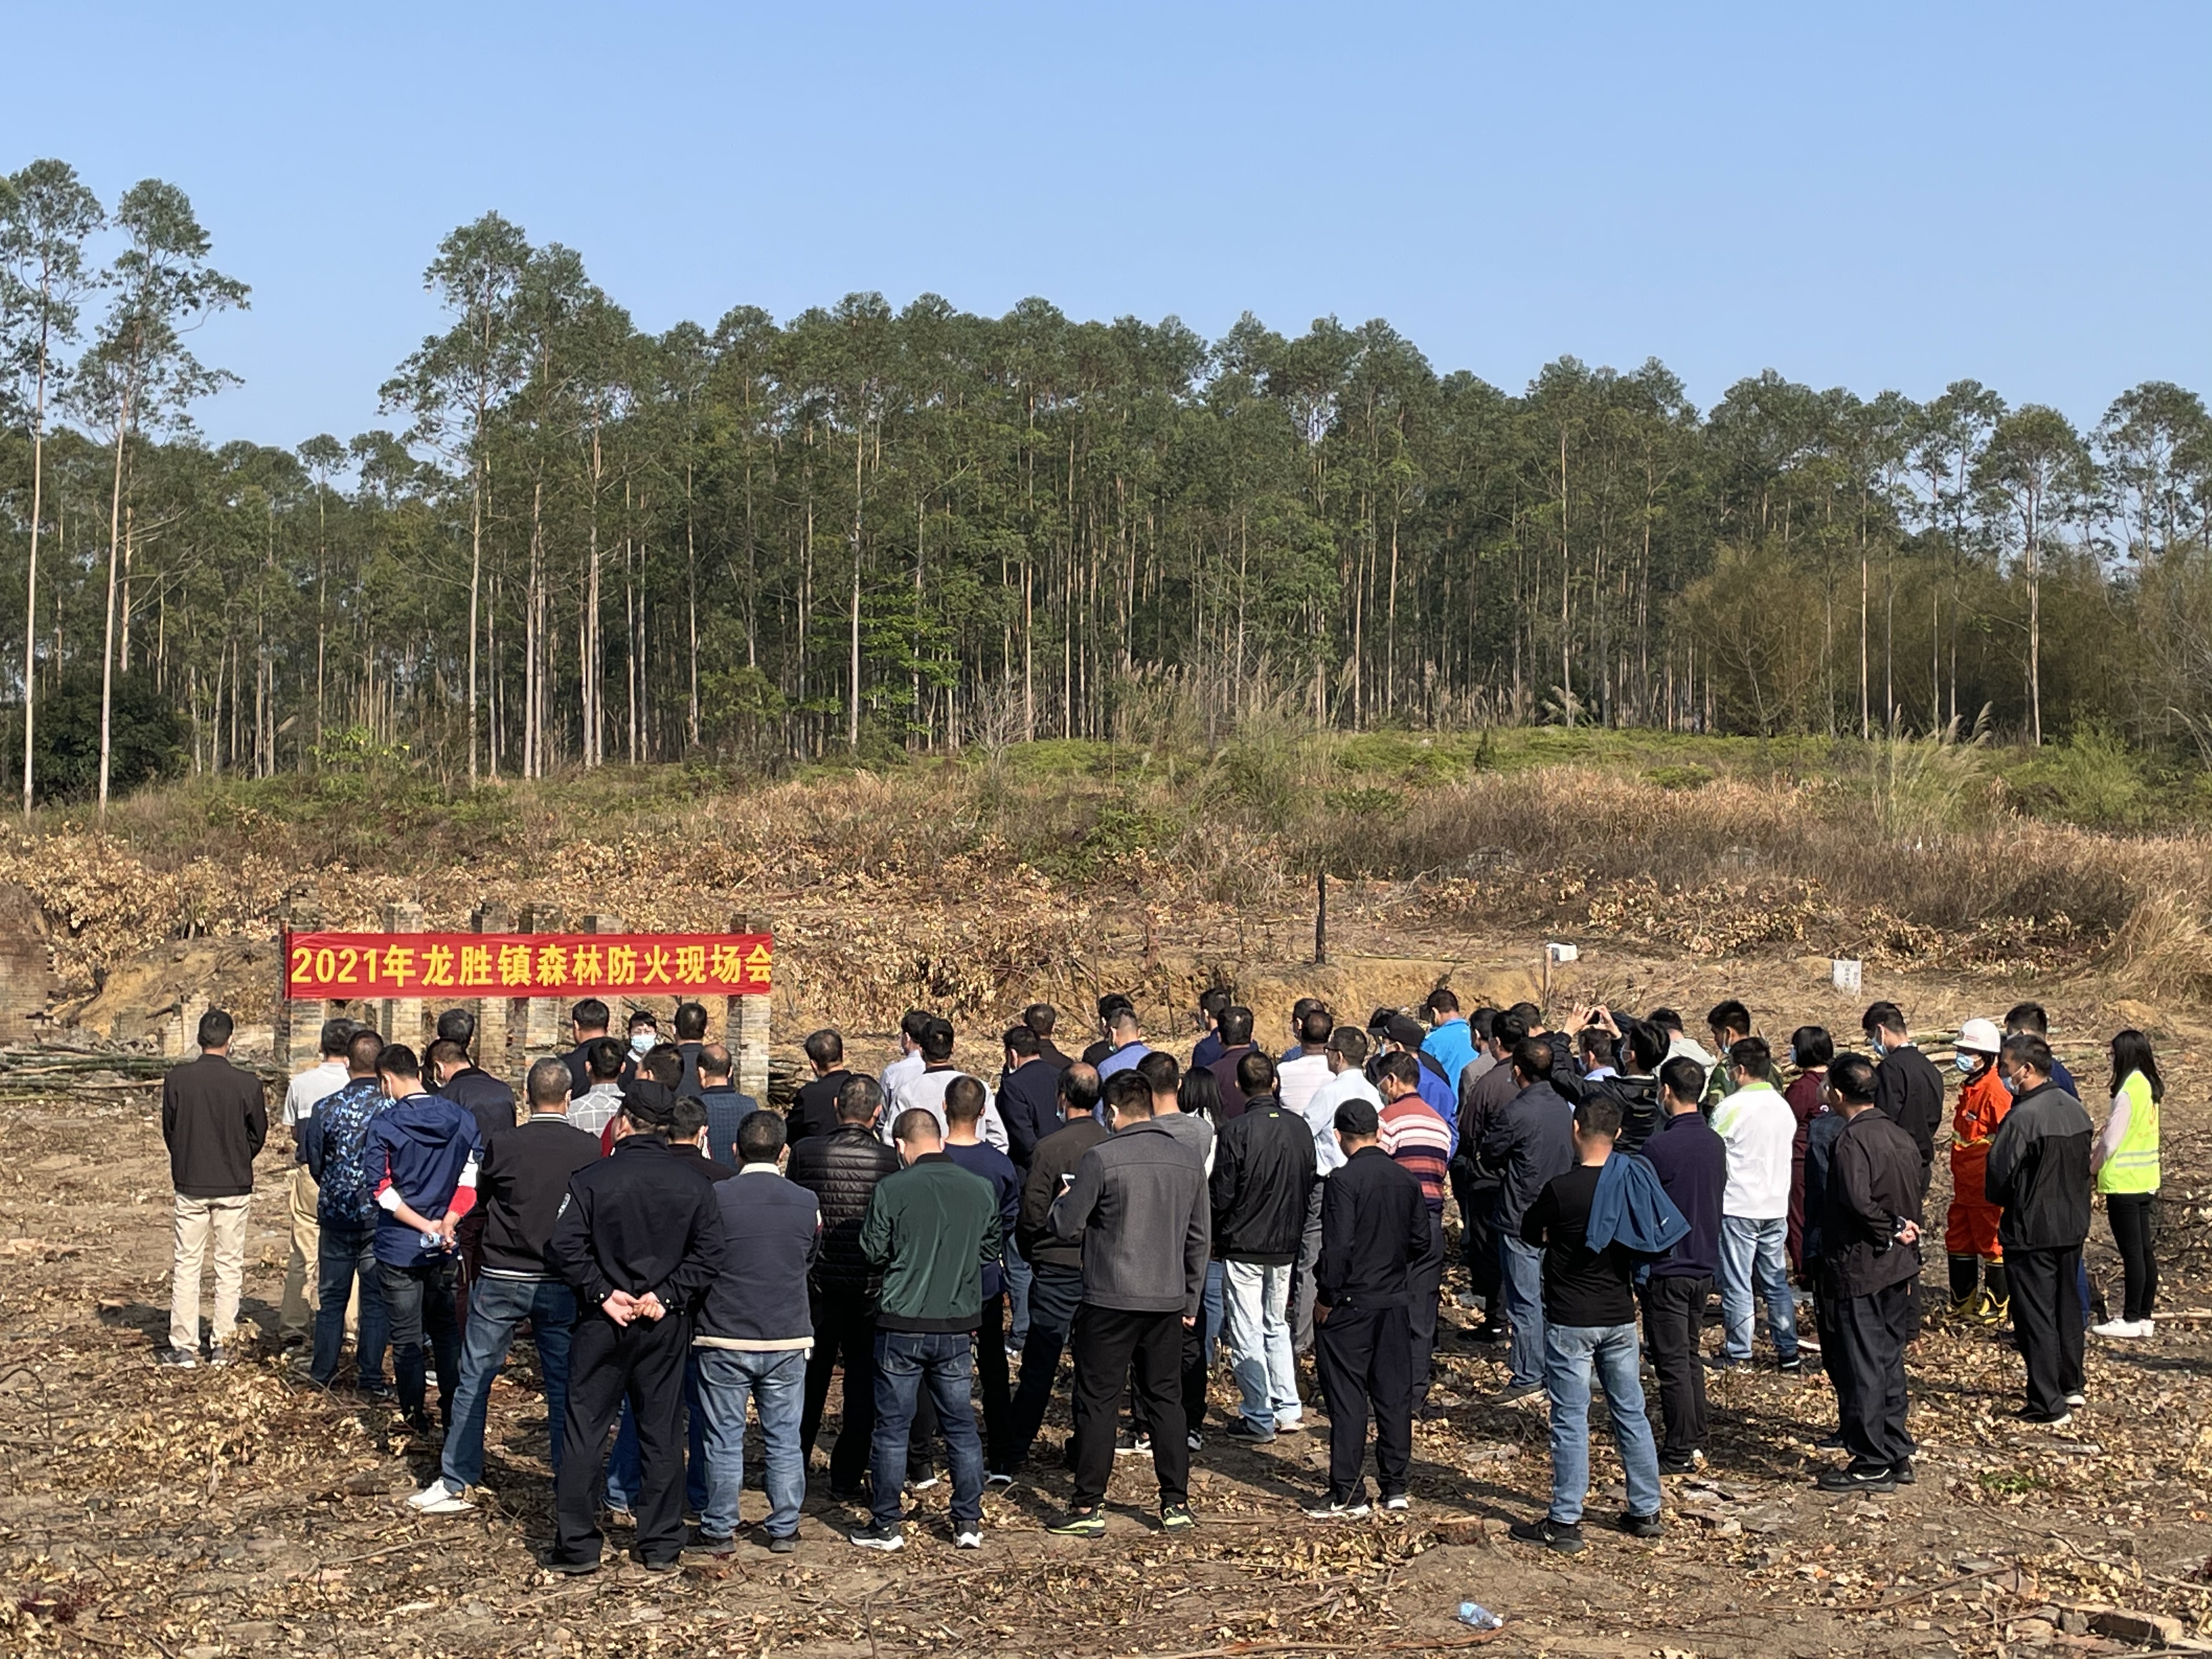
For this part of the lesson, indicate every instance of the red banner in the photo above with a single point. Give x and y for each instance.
(342, 966)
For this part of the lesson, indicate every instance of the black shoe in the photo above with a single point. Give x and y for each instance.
(1514, 1392)
(1721, 1362)
(1079, 1523)
(1791, 1366)
(1488, 1332)
(1248, 1432)
(873, 1537)
(782, 1544)
(1685, 1464)
(1131, 1445)
(1859, 1477)
(674, 1564)
(1832, 1441)
(1642, 1525)
(848, 1495)
(571, 1569)
(1901, 1472)
(705, 1543)
(1177, 1517)
(1568, 1541)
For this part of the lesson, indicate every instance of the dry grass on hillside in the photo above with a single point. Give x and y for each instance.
(947, 881)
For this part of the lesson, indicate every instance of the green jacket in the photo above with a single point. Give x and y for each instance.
(930, 1227)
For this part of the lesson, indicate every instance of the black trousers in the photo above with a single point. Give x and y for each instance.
(1427, 1282)
(1478, 1200)
(1831, 1347)
(2132, 1218)
(2046, 1323)
(1674, 1319)
(998, 1393)
(1056, 1293)
(1193, 1384)
(642, 1363)
(1871, 1332)
(1144, 1349)
(1365, 1357)
(845, 1334)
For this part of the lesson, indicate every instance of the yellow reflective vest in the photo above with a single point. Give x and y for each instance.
(2133, 1166)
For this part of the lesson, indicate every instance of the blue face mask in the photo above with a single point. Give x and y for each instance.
(640, 1042)
(1881, 1049)
(2012, 1086)
(1966, 1063)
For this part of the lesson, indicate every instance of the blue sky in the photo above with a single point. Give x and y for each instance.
(1877, 194)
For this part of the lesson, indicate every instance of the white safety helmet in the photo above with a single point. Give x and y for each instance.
(1979, 1036)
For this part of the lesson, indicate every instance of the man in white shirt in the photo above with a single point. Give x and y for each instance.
(311, 1087)
(1346, 1056)
(909, 1062)
(1759, 1129)
(1298, 1078)
(924, 1088)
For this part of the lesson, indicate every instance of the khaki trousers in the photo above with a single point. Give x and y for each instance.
(205, 1225)
(296, 1320)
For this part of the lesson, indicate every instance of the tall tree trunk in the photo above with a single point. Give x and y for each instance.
(114, 572)
(31, 584)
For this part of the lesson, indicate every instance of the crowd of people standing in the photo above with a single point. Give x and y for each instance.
(680, 1256)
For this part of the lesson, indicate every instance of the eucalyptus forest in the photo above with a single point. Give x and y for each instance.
(865, 530)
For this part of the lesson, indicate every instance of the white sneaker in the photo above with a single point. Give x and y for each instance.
(1397, 1501)
(2119, 1328)
(2146, 1328)
(1330, 1510)
(439, 1499)
(967, 1538)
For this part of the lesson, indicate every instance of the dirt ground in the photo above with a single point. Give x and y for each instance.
(209, 1512)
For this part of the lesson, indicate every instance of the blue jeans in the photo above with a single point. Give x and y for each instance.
(906, 1363)
(1521, 1277)
(1017, 1276)
(343, 1256)
(496, 1307)
(1756, 1249)
(1570, 1351)
(626, 1464)
(1213, 1312)
(1258, 1299)
(776, 1384)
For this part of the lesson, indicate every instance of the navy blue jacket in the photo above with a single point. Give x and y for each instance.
(1693, 1166)
(1029, 1101)
(995, 1167)
(771, 1231)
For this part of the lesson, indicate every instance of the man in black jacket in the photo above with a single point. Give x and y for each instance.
(1907, 1088)
(639, 1240)
(587, 1021)
(753, 1334)
(215, 1118)
(1264, 1165)
(2039, 1177)
(1375, 1228)
(1529, 1144)
(1870, 1255)
(1483, 1097)
(842, 1171)
(520, 1185)
(814, 1112)
(1056, 1281)
(464, 1082)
